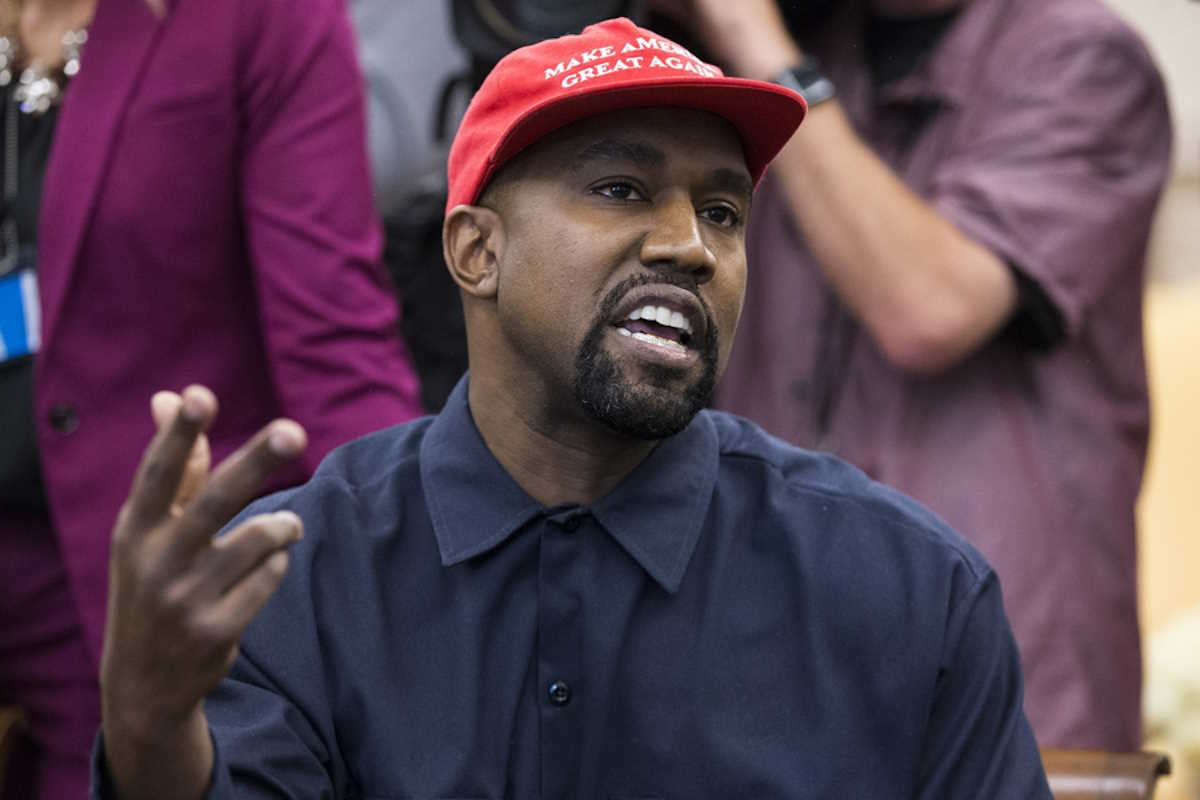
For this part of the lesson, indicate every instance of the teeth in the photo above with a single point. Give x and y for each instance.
(663, 316)
(650, 338)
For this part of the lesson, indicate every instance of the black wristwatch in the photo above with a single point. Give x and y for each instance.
(808, 80)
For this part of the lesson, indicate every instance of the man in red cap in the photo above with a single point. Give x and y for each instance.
(573, 581)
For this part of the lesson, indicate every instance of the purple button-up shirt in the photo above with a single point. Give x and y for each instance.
(1040, 128)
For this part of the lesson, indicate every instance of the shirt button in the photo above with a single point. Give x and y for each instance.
(64, 418)
(560, 693)
(572, 524)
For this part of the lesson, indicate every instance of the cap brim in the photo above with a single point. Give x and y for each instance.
(765, 115)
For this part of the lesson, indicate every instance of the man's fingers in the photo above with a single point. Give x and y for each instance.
(236, 554)
(164, 406)
(162, 467)
(245, 598)
(237, 481)
(195, 472)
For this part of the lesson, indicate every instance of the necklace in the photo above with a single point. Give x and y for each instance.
(39, 87)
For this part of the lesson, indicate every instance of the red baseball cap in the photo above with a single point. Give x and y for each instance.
(609, 66)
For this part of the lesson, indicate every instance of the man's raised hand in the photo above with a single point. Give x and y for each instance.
(179, 598)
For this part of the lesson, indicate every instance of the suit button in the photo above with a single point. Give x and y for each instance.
(64, 418)
(560, 693)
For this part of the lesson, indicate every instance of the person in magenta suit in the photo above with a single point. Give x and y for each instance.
(193, 205)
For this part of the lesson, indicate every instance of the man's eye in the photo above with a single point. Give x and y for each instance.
(618, 190)
(724, 216)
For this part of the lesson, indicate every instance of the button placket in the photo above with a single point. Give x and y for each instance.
(559, 645)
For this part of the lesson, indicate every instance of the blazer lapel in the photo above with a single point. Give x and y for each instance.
(121, 38)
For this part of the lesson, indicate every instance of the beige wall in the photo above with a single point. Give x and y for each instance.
(1169, 522)
(1172, 30)
(1169, 510)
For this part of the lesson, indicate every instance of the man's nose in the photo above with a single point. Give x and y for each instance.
(675, 240)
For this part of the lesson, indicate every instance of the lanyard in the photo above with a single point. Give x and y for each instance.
(20, 309)
(8, 229)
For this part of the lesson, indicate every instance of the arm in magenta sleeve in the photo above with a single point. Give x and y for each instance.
(328, 315)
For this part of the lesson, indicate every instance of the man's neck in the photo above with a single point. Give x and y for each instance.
(557, 459)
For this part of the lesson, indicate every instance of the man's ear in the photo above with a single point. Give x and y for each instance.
(473, 242)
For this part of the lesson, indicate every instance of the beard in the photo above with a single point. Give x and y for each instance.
(645, 410)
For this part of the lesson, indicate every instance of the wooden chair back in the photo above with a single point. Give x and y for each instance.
(1098, 775)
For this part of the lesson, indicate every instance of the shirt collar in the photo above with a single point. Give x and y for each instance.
(656, 513)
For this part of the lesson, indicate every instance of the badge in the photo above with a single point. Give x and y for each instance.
(20, 314)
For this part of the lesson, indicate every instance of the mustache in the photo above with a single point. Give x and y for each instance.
(609, 304)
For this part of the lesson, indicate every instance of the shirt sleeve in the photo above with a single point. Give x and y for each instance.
(263, 746)
(1064, 160)
(328, 316)
(978, 742)
(271, 717)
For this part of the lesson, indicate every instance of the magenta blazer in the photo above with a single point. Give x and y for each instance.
(206, 218)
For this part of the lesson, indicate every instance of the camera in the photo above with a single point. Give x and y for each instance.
(490, 29)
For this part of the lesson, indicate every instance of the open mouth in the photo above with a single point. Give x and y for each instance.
(658, 325)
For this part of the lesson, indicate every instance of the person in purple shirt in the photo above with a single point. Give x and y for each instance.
(574, 581)
(946, 289)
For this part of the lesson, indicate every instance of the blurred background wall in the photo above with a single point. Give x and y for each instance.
(1169, 509)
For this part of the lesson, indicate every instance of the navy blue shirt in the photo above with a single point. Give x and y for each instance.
(738, 619)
